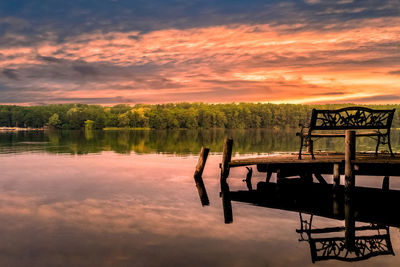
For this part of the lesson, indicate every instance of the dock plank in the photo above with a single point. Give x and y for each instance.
(365, 163)
(361, 158)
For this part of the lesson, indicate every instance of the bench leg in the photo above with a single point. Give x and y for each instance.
(390, 147)
(301, 145)
(311, 147)
(377, 145)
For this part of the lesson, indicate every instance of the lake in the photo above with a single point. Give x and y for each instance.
(128, 198)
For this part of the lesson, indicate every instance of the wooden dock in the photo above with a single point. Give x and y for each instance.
(296, 190)
(346, 201)
(364, 163)
(349, 163)
(321, 157)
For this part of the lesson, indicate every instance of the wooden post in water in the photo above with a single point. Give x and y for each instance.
(349, 156)
(335, 189)
(226, 157)
(201, 189)
(226, 202)
(225, 194)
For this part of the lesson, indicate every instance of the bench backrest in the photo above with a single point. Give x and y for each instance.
(351, 118)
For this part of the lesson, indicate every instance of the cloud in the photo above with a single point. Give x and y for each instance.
(331, 93)
(311, 2)
(395, 72)
(10, 74)
(214, 61)
(376, 98)
(358, 99)
(91, 100)
(86, 70)
(50, 59)
(52, 20)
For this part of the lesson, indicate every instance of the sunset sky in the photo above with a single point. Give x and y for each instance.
(156, 51)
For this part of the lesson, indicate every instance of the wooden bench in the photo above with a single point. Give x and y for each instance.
(351, 118)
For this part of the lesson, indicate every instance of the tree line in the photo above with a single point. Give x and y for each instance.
(166, 116)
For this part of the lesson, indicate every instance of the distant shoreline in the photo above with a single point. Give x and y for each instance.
(125, 128)
(17, 129)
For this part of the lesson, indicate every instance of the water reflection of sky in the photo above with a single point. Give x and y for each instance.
(139, 210)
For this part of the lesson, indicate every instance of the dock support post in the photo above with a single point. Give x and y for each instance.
(385, 183)
(349, 156)
(336, 185)
(226, 158)
(320, 178)
(269, 175)
(336, 176)
(306, 177)
(201, 189)
(225, 194)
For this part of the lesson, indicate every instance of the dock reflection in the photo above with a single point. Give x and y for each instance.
(368, 214)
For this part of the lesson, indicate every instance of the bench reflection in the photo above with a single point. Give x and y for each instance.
(370, 240)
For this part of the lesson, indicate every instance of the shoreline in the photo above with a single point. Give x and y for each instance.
(17, 129)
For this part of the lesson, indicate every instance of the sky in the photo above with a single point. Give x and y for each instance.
(159, 51)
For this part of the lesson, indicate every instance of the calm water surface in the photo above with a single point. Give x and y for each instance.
(129, 199)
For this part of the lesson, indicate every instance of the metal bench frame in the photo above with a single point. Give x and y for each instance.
(351, 118)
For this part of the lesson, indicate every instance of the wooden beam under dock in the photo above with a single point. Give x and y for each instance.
(364, 163)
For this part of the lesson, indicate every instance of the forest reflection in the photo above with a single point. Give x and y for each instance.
(181, 142)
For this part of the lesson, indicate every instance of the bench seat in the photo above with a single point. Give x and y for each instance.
(367, 134)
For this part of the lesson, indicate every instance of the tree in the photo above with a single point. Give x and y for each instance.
(123, 119)
(168, 116)
(54, 121)
(76, 117)
(89, 125)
